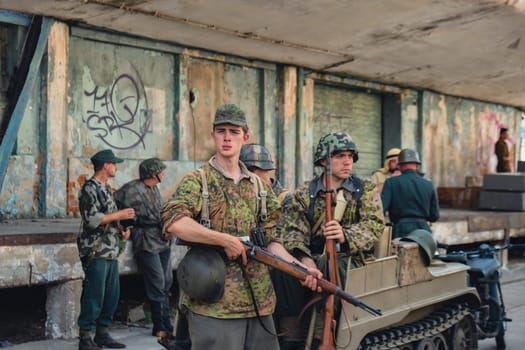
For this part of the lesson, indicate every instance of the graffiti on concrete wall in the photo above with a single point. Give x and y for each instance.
(118, 115)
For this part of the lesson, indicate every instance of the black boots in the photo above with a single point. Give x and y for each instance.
(87, 344)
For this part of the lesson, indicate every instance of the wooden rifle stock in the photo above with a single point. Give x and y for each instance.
(331, 268)
(295, 270)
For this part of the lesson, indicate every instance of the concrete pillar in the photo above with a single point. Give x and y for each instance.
(56, 136)
(62, 309)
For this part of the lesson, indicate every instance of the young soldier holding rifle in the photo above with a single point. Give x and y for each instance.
(357, 223)
(217, 205)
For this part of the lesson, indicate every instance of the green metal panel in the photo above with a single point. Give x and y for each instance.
(355, 112)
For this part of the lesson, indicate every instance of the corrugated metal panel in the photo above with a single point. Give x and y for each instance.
(355, 112)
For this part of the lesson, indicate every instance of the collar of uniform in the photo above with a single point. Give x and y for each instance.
(409, 171)
(244, 170)
(348, 185)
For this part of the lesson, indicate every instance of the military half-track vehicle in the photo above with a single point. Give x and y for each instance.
(423, 307)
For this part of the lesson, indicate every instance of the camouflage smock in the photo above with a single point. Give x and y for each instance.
(363, 221)
(146, 233)
(95, 200)
(279, 190)
(233, 211)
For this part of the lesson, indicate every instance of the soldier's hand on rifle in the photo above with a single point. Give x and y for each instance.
(233, 248)
(333, 230)
(311, 281)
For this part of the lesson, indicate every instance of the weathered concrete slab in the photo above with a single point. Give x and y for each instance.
(479, 223)
(45, 251)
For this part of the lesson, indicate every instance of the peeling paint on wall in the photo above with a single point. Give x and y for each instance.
(459, 137)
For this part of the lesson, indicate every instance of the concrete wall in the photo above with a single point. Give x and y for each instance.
(142, 99)
(459, 136)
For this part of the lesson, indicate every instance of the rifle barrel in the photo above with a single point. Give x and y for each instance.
(299, 272)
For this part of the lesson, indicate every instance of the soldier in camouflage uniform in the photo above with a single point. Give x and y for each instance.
(258, 160)
(150, 246)
(239, 319)
(99, 245)
(304, 230)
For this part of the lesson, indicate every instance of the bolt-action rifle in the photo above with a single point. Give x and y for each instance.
(331, 268)
(262, 255)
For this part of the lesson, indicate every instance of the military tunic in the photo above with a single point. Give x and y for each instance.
(362, 221)
(410, 201)
(99, 247)
(233, 210)
(503, 155)
(100, 241)
(146, 233)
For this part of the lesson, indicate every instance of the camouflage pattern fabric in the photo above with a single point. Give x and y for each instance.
(232, 211)
(254, 155)
(150, 167)
(95, 200)
(279, 190)
(146, 233)
(230, 114)
(363, 222)
(339, 141)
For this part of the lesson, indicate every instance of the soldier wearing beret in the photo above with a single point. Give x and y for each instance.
(240, 316)
(99, 245)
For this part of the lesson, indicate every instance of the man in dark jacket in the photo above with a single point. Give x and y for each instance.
(150, 247)
(410, 200)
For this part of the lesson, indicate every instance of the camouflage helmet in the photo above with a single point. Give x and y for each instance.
(258, 156)
(201, 274)
(426, 243)
(150, 167)
(340, 141)
(408, 155)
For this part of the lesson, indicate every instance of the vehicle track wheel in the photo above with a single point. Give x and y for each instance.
(440, 343)
(463, 334)
(425, 344)
(404, 347)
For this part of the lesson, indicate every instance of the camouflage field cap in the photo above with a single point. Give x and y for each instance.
(105, 156)
(339, 141)
(230, 114)
(254, 155)
(150, 167)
